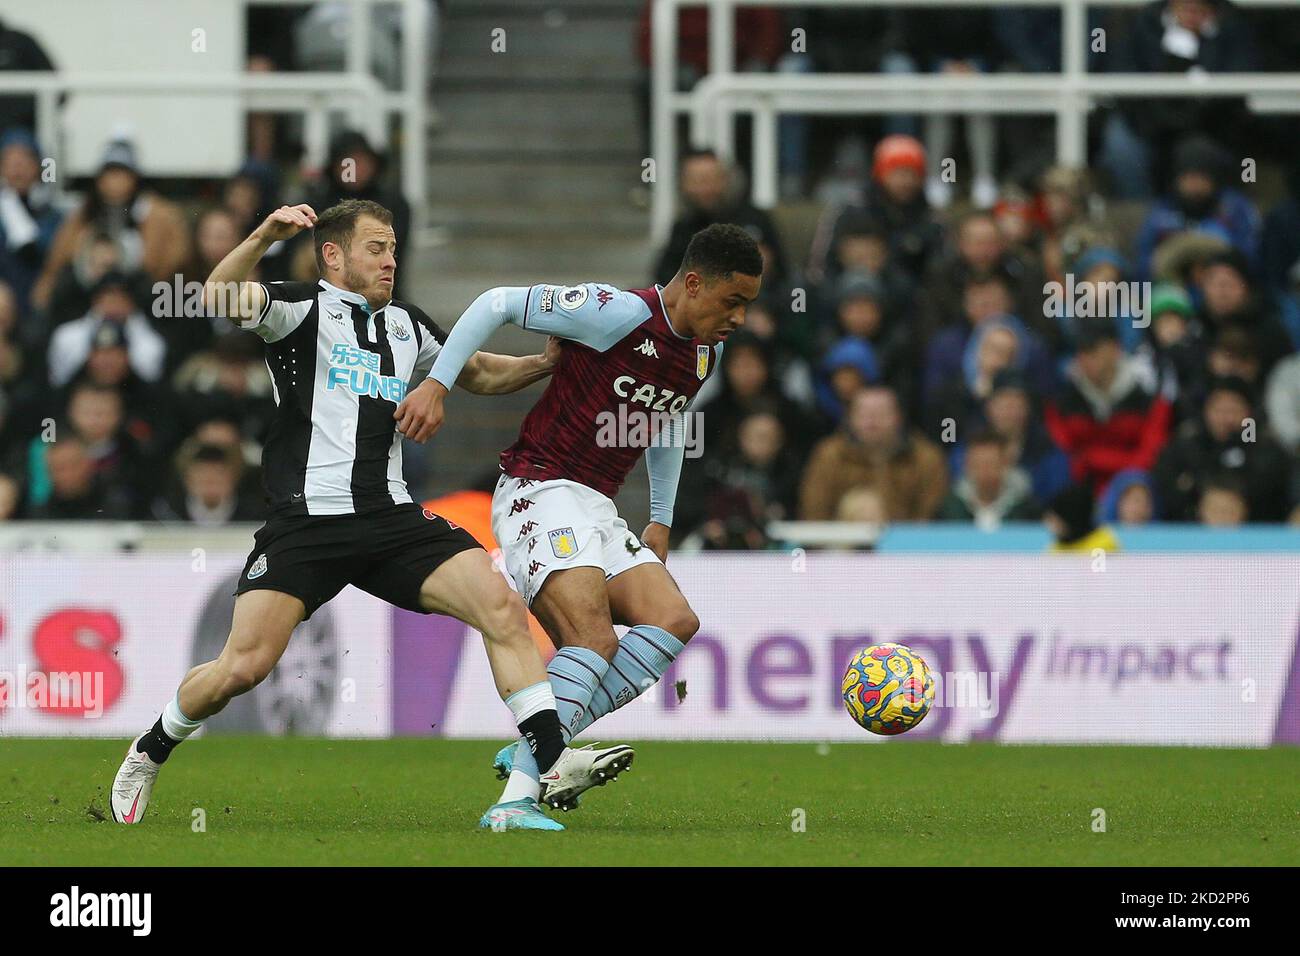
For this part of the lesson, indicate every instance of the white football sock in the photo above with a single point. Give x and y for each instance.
(520, 786)
(175, 724)
(531, 700)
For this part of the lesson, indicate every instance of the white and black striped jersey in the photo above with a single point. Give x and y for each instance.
(339, 369)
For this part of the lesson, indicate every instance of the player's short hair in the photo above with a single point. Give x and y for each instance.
(337, 223)
(721, 250)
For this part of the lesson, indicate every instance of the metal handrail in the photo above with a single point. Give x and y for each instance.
(314, 94)
(718, 97)
(1073, 89)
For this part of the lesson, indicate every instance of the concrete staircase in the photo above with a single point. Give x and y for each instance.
(534, 172)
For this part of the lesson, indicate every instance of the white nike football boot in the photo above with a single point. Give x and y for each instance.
(132, 785)
(580, 769)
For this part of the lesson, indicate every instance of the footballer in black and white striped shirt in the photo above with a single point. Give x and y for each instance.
(342, 356)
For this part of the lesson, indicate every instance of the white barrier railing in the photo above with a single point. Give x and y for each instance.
(314, 95)
(411, 101)
(1070, 94)
(719, 98)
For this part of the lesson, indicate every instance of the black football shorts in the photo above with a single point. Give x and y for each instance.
(387, 553)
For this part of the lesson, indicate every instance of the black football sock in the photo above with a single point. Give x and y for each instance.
(158, 745)
(545, 737)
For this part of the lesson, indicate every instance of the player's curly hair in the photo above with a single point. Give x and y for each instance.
(722, 250)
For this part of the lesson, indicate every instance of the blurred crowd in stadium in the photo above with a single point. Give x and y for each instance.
(906, 365)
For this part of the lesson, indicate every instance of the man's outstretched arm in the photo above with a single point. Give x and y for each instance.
(227, 292)
(595, 315)
(419, 415)
(487, 373)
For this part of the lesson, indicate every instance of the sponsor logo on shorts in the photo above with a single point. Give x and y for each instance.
(564, 543)
(259, 567)
(528, 528)
(535, 567)
(527, 482)
(532, 543)
(632, 544)
(520, 505)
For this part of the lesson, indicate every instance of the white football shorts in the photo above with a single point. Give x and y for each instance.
(545, 525)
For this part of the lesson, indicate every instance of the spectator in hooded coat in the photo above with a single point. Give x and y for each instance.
(864, 310)
(984, 300)
(849, 367)
(1200, 200)
(1130, 499)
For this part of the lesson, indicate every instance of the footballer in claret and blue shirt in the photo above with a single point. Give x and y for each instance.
(630, 364)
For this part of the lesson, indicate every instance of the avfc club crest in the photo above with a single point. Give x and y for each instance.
(564, 543)
(702, 361)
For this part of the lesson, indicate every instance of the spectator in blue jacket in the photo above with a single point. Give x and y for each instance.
(1130, 499)
(849, 367)
(1200, 201)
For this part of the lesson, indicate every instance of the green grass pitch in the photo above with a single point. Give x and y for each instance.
(417, 802)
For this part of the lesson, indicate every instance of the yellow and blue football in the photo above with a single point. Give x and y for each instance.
(888, 688)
